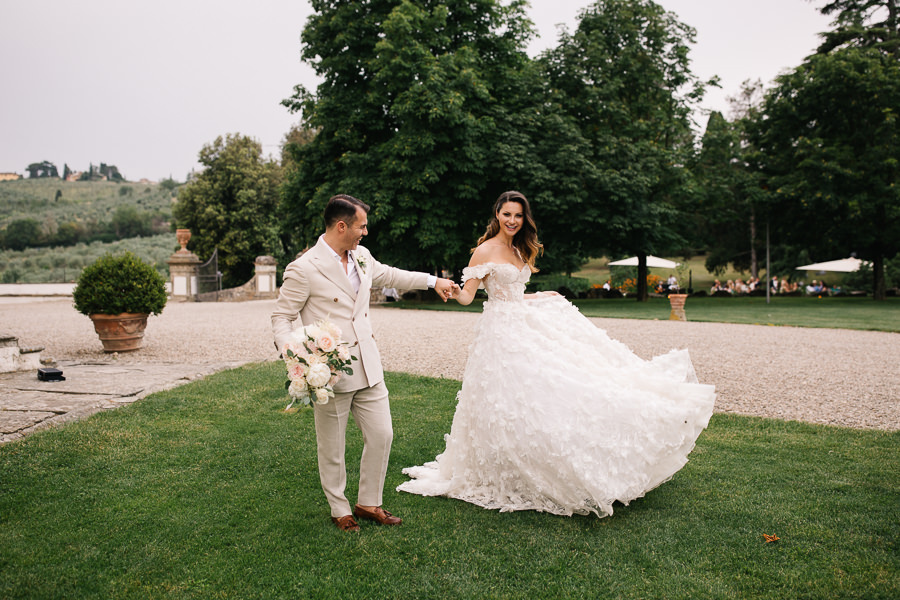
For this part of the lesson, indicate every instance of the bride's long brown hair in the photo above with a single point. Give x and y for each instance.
(526, 239)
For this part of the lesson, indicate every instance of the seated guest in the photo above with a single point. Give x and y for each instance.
(672, 283)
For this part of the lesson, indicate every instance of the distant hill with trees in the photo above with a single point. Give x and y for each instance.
(46, 211)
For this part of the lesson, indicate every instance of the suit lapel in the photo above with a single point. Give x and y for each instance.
(331, 268)
(365, 283)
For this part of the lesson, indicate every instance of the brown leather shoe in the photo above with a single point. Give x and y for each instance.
(379, 515)
(345, 523)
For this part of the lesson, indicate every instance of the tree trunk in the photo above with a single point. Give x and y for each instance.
(878, 288)
(754, 262)
(642, 294)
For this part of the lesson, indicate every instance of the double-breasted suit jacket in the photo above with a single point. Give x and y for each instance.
(316, 287)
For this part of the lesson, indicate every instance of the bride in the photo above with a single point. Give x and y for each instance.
(554, 415)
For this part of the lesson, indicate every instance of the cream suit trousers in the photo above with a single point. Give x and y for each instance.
(371, 411)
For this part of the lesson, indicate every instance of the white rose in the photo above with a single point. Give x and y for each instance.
(298, 389)
(322, 396)
(319, 374)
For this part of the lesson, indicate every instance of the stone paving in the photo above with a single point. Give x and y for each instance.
(28, 404)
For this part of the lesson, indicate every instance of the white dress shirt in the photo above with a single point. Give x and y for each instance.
(353, 274)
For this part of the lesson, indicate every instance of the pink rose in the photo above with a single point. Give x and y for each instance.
(326, 342)
(296, 371)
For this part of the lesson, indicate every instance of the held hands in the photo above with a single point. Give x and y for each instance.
(446, 289)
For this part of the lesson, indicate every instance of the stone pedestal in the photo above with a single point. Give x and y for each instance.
(184, 267)
(677, 303)
(265, 277)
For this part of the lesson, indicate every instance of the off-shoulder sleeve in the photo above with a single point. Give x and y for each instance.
(476, 272)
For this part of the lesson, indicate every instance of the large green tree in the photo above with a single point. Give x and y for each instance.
(232, 205)
(829, 141)
(863, 23)
(409, 117)
(624, 77)
(730, 201)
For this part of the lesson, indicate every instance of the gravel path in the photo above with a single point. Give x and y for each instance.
(833, 376)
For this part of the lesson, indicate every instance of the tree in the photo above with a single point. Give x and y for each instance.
(409, 118)
(829, 142)
(22, 233)
(730, 195)
(129, 222)
(232, 206)
(624, 77)
(42, 169)
(863, 24)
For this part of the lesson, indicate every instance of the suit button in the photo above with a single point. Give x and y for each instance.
(335, 299)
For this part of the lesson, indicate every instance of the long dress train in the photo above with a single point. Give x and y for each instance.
(556, 416)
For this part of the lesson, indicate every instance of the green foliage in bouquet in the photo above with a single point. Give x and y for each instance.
(120, 283)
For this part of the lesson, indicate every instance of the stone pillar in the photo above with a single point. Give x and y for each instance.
(184, 267)
(265, 277)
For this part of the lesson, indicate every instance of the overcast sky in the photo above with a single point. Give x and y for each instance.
(144, 84)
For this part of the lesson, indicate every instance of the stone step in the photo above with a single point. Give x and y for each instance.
(16, 358)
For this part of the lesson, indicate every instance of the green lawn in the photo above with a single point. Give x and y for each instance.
(837, 312)
(209, 490)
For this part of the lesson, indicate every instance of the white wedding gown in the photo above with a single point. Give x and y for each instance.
(555, 416)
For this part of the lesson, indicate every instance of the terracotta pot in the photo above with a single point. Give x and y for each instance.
(120, 333)
(183, 236)
(677, 303)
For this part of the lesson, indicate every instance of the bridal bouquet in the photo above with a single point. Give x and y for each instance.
(315, 359)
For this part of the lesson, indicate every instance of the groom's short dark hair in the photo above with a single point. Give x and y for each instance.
(342, 208)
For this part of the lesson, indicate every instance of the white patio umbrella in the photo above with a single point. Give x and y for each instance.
(844, 265)
(652, 261)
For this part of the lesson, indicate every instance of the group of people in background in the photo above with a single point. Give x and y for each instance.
(779, 285)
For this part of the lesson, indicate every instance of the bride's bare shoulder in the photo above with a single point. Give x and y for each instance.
(489, 251)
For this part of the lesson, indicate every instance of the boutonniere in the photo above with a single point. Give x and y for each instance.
(361, 261)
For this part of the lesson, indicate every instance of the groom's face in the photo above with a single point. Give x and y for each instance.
(355, 231)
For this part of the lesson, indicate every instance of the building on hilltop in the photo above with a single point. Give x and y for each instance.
(9, 176)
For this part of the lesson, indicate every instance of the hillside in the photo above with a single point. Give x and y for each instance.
(52, 199)
(78, 222)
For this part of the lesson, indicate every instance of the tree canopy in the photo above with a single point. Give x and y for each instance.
(406, 118)
(232, 205)
(829, 141)
(625, 80)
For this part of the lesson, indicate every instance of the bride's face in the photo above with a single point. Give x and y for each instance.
(511, 216)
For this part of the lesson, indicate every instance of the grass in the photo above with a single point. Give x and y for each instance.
(836, 312)
(209, 490)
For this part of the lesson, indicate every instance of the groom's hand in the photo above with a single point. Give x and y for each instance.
(446, 288)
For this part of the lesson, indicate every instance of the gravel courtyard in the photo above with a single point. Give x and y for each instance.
(831, 376)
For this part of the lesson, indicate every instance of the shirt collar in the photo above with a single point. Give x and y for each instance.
(335, 254)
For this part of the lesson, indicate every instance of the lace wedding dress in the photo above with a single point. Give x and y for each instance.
(555, 416)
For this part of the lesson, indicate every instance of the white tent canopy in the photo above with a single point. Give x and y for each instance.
(844, 265)
(652, 261)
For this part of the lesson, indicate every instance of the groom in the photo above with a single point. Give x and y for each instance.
(332, 281)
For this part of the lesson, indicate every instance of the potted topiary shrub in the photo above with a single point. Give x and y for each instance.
(118, 292)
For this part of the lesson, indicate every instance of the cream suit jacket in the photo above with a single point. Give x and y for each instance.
(316, 287)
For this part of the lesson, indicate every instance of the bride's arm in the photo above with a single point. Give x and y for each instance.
(467, 294)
